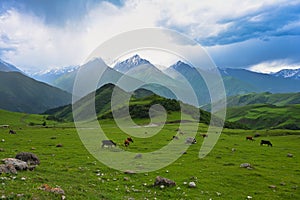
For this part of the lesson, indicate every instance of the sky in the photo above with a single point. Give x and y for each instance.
(260, 35)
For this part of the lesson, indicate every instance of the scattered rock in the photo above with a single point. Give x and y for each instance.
(55, 190)
(290, 155)
(59, 145)
(28, 157)
(272, 186)
(233, 150)
(246, 165)
(7, 168)
(2, 140)
(163, 181)
(33, 148)
(282, 183)
(138, 156)
(249, 197)
(1, 150)
(192, 184)
(18, 164)
(129, 172)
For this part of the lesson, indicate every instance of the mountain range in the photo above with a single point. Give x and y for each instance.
(6, 67)
(20, 93)
(288, 73)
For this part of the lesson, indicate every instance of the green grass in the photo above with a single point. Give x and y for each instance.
(81, 176)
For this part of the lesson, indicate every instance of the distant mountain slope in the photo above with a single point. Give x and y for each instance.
(288, 73)
(6, 67)
(262, 116)
(263, 82)
(279, 99)
(51, 76)
(23, 94)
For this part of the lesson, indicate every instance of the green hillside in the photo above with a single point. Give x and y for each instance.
(23, 94)
(260, 116)
(140, 103)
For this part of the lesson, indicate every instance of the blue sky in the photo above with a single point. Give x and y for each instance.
(258, 35)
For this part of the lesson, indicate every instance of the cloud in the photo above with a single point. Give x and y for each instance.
(274, 66)
(34, 35)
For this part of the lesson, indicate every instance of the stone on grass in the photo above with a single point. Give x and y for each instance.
(289, 155)
(59, 145)
(28, 157)
(18, 164)
(7, 168)
(246, 165)
(192, 184)
(272, 186)
(163, 181)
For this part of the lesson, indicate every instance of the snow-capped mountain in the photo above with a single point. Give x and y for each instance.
(50, 75)
(130, 63)
(6, 67)
(288, 73)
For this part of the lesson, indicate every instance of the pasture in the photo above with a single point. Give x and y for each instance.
(217, 176)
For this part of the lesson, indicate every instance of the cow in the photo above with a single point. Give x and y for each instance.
(12, 131)
(175, 137)
(256, 135)
(266, 142)
(108, 143)
(127, 141)
(249, 138)
(204, 135)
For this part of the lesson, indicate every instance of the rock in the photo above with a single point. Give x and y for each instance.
(28, 157)
(290, 155)
(249, 197)
(282, 183)
(192, 184)
(163, 181)
(59, 145)
(245, 165)
(129, 172)
(126, 178)
(18, 164)
(272, 186)
(7, 168)
(1, 150)
(138, 156)
(55, 190)
(2, 140)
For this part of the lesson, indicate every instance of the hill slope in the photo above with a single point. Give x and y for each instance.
(260, 116)
(22, 94)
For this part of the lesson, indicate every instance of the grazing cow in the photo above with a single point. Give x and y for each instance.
(190, 140)
(12, 131)
(175, 137)
(249, 138)
(127, 141)
(204, 135)
(266, 142)
(108, 143)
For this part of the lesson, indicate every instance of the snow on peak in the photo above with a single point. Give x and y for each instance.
(130, 63)
(288, 73)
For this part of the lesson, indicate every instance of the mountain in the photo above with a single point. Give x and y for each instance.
(263, 116)
(261, 82)
(288, 73)
(23, 94)
(6, 67)
(51, 76)
(130, 63)
(279, 99)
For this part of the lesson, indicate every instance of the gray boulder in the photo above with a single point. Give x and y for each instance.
(18, 164)
(163, 181)
(28, 157)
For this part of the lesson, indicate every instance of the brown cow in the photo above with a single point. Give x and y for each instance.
(249, 138)
(127, 141)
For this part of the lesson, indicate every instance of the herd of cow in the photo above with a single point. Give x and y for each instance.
(189, 140)
(262, 142)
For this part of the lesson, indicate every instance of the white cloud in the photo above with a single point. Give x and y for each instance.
(274, 66)
(38, 45)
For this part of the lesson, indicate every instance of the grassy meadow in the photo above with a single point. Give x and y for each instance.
(217, 176)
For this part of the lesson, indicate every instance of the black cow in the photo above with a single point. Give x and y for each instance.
(109, 143)
(266, 142)
(12, 132)
(190, 140)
